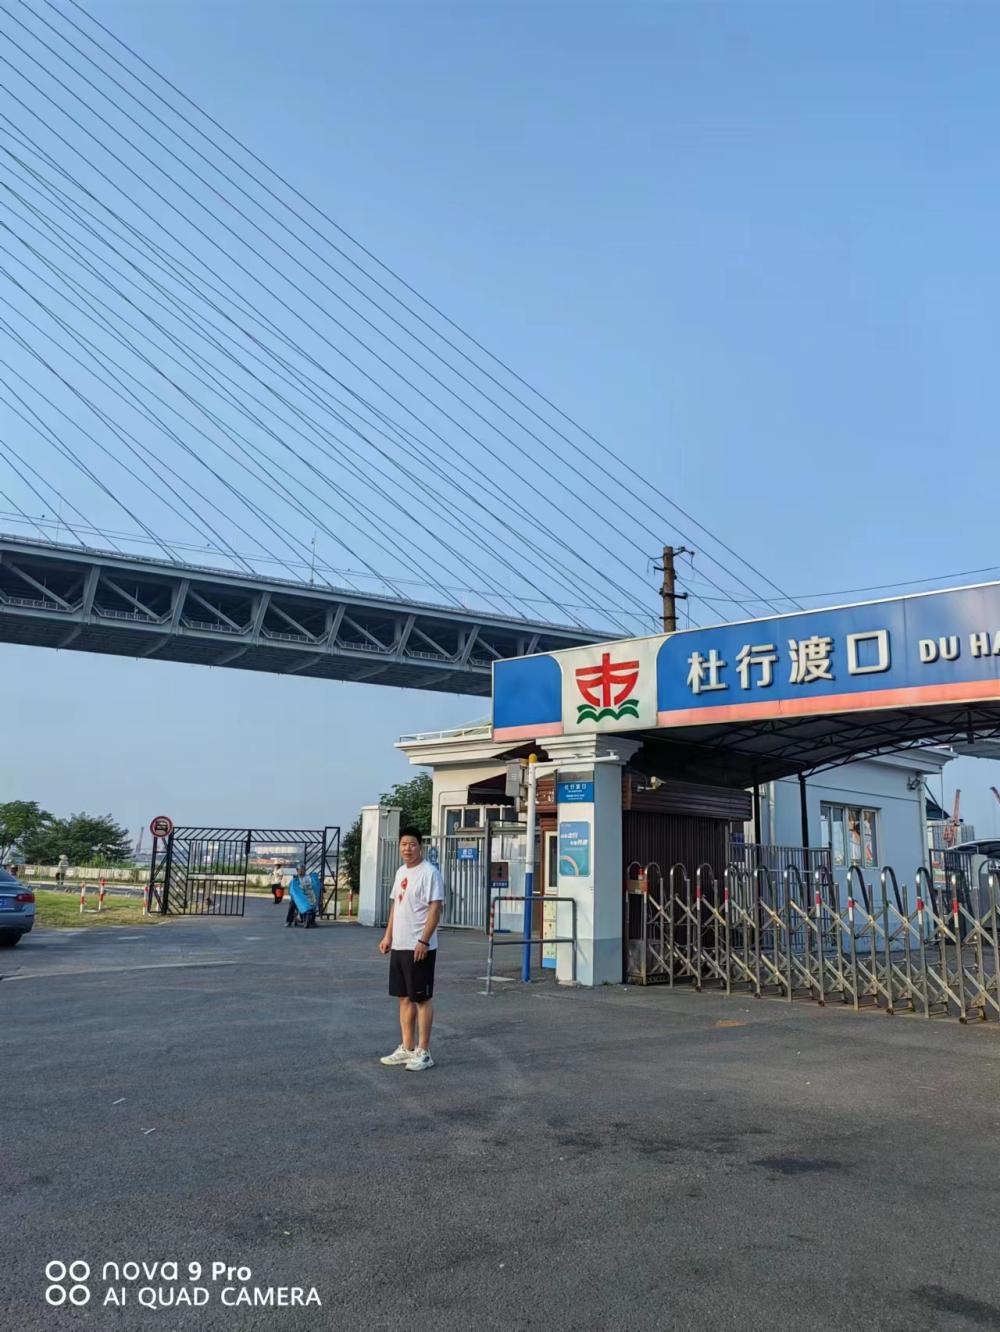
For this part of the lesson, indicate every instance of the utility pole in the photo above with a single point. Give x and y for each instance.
(667, 590)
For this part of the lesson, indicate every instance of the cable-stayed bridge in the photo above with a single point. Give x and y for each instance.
(95, 601)
(230, 433)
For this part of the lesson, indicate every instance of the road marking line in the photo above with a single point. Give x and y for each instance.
(119, 1101)
(146, 1132)
(107, 971)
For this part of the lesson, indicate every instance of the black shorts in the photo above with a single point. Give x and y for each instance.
(409, 979)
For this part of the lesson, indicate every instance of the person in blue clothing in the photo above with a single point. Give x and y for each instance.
(303, 903)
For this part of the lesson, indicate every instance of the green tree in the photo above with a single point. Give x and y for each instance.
(18, 820)
(87, 839)
(415, 799)
(350, 854)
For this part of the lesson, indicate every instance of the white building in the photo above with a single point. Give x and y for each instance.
(870, 813)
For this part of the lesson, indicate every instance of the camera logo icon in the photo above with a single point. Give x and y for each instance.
(67, 1283)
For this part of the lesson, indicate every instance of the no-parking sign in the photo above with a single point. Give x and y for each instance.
(161, 826)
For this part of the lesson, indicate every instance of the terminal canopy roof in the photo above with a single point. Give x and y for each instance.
(737, 704)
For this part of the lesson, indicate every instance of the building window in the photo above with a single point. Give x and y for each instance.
(851, 833)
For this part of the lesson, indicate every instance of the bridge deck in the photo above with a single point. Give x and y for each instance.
(98, 601)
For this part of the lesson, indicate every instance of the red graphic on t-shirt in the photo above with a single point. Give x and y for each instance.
(402, 889)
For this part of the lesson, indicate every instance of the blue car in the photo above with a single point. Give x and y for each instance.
(17, 909)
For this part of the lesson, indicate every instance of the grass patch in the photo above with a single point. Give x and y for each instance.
(62, 910)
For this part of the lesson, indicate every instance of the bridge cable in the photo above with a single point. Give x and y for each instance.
(62, 172)
(385, 268)
(74, 253)
(34, 173)
(254, 251)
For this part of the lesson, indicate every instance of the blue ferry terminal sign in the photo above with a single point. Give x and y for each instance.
(915, 652)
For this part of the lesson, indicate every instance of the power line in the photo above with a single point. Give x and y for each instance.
(871, 587)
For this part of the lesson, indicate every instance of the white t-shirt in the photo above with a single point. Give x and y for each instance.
(413, 891)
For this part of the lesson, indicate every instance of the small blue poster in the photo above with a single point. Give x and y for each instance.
(575, 793)
(467, 853)
(574, 850)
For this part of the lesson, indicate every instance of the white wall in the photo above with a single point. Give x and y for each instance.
(880, 784)
(451, 787)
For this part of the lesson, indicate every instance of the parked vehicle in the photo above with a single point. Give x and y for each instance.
(17, 909)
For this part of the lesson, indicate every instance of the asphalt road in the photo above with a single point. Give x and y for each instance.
(209, 1091)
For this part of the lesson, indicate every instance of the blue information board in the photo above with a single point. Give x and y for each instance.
(574, 850)
(575, 793)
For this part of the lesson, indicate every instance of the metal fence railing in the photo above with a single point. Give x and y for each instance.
(776, 859)
(530, 941)
(923, 950)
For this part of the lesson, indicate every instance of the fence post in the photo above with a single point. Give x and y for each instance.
(820, 959)
(83, 898)
(529, 866)
(854, 949)
(489, 955)
(100, 895)
(994, 907)
(908, 942)
(922, 878)
(726, 927)
(890, 1001)
(963, 1015)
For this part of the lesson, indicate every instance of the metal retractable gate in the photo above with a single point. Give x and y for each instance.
(203, 871)
(929, 951)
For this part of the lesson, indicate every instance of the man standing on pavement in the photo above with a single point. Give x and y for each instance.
(410, 939)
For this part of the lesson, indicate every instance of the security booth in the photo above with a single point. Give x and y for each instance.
(668, 745)
(479, 790)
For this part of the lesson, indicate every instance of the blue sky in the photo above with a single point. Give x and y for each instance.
(751, 247)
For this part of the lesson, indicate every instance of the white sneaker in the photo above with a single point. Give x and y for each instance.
(401, 1055)
(419, 1060)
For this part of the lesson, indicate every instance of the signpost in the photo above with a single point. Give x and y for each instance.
(161, 827)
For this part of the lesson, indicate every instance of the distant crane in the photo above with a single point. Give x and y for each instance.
(949, 832)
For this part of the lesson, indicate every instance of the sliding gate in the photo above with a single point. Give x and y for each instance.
(934, 950)
(203, 871)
